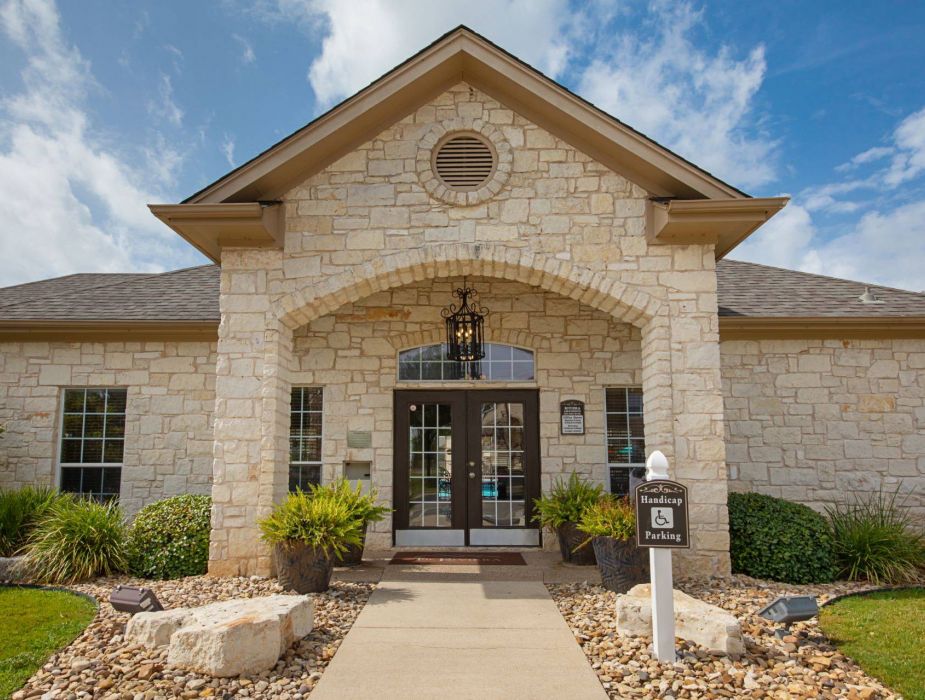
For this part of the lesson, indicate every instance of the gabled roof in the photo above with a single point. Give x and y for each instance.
(463, 55)
(752, 298)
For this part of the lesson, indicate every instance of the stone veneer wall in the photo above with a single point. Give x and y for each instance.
(168, 424)
(374, 220)
(817, 420)
(353, 355)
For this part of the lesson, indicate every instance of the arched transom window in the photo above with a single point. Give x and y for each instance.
(501, 363)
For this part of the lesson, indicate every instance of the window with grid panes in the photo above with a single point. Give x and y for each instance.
(92, 442)
(305, 437)
(626, 443)
(501, 363)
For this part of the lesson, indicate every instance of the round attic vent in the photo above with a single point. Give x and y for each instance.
(464, 162)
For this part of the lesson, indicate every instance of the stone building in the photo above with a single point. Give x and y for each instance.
(314, 346)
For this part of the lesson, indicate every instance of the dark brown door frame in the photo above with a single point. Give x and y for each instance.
(466, 421)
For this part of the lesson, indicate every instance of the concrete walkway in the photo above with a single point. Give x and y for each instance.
(455, 637)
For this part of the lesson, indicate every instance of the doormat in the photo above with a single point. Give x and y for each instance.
(460, 558)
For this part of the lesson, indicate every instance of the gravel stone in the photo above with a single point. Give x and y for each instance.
(805, 664)
(100, 664)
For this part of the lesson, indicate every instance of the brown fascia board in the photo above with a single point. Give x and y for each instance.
(465, 56)
(820, 327)
(211, 227)
(724, 222)
(101, 331)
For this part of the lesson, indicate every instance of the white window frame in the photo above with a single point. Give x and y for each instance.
(308, 463)
(62, 465)
(618, 465)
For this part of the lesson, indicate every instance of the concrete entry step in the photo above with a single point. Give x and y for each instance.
(459, 639)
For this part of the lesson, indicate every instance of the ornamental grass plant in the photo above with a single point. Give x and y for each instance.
(609, 517)
(76, 539)
(875, 539)
(362, 505)
(20, 509)
(321, 518)
(566, 501)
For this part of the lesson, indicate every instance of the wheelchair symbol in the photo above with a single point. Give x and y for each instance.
(663, 517)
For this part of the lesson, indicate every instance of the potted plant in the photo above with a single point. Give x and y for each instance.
(308, 532)
(611, 526)
(364, 509)
(561, 510)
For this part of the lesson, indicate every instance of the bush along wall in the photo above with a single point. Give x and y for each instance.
(170, 538)
(778, 540)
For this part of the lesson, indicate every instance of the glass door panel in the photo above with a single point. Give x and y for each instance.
(502, 493)
(430, 453)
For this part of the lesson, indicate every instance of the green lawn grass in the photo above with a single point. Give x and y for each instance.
(885, 633)
(34, 624)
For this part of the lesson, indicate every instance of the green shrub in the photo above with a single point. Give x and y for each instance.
(76, 539)
(19, 511)
(321, 519)
(610, 517)
(876, 539)
(566, 501)
(170, 538)
(363, 506)
(777, 540)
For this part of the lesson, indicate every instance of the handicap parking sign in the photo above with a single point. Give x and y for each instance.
(662, 517)
(661, 514)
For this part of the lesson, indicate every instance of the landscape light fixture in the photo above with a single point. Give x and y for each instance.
(134, 600)
(465, 327)
(789, 609)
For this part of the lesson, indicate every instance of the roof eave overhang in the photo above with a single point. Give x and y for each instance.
(722, 222)
(93, 330)
(210, 227)
(820, 327)
(464, 56)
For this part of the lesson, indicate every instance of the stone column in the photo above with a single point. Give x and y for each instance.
(250, 462)
(684, 419)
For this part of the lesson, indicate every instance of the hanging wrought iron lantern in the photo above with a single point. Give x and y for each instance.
(465, 332)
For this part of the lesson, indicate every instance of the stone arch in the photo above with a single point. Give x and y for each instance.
(599, 290)
(517, 338)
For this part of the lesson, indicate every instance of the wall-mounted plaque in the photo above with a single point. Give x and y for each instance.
(572, 417)
(359, 439)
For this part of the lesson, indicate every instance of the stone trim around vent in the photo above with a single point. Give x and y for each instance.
(438, 134)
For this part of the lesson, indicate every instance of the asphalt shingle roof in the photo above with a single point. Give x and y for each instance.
(745, 290)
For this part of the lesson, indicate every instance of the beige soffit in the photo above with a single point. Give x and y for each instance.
(725, 222)
(825, 327)
(460, 55)
(74, 331)
(211, 227)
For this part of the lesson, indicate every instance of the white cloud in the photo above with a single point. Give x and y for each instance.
(697, 103)
(247, 51)
(228, 149)
(909, 160)
(882, 247)
(365, 38)
(70, 204)
(165, 107)
(869, 156)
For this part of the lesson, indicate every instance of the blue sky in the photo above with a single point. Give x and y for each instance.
(104, 108)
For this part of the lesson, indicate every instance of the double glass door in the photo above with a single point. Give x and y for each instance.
(466, 467)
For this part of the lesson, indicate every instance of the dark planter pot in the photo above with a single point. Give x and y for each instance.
(622, 564)
(354, 554)
(303, 569)
(571, 537)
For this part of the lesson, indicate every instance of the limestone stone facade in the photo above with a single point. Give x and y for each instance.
(168, 426)
(366, 224)
(817, 421)
(353, 355)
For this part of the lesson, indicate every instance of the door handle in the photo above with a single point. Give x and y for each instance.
(471, 475)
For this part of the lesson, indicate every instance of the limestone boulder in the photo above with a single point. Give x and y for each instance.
(707, 625)
(228, 638)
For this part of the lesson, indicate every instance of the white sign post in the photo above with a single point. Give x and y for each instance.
(661, 578)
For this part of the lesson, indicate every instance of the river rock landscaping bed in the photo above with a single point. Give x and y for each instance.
(100, 664)
(802, 665)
